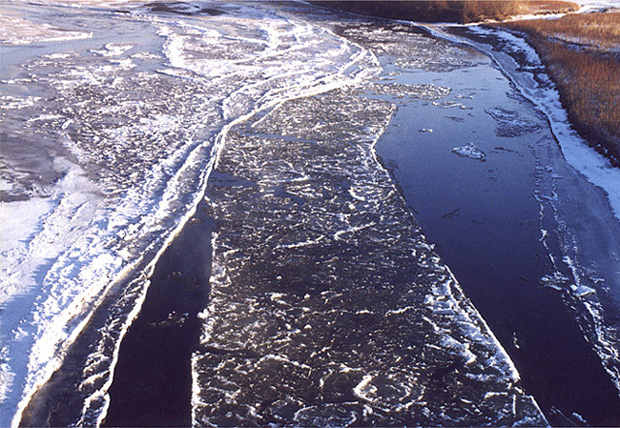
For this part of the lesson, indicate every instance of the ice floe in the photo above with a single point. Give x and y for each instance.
(470, 151)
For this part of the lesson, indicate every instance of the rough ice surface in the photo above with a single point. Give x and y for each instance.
(411, 92)
(104, 164)
(327, 306)
(470, 151)
(419, 53)
(509, 124)
(322, 280)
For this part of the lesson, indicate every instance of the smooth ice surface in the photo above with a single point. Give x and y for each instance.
(535, 85)
(18, 31)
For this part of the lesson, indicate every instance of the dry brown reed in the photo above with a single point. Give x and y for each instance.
(451, 10)
(582, 55)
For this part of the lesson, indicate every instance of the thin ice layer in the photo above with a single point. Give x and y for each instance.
(328, 306)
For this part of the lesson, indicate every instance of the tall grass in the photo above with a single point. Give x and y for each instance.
(582, 55)
(451, 10)
(599, 30)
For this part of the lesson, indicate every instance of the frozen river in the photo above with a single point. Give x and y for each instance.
(303, 286)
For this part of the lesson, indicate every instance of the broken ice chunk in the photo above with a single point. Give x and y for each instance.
(470, 151)
(583, 291)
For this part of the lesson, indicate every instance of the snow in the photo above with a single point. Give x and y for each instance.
(18, 31)
(114, 49)
(597, 5)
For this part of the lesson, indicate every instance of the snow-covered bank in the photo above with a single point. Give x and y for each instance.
(597, 5)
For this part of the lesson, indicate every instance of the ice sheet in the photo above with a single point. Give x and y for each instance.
(127, 132)
(327, 305)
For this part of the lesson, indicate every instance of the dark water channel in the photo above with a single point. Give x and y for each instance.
(152, 384)
(487, 219)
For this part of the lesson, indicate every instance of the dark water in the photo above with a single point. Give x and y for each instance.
(152, 380)
(486, 219)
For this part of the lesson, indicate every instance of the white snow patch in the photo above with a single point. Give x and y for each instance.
(18, 31)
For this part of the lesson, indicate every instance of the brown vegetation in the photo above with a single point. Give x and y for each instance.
(582, 55)
(451, 10)
(599, 30)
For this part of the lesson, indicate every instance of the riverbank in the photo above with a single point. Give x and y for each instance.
(579, 51)
(452, 11)
(582, 55)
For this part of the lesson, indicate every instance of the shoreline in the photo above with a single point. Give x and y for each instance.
(522, 66)
(591, 306)
(590, 64)
(460, 11)
(607, 146)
